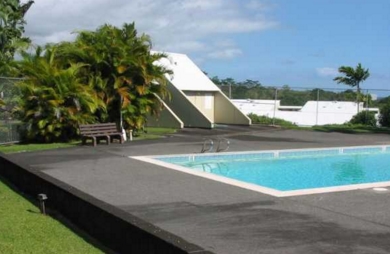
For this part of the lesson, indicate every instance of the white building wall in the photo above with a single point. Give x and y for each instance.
(204, 101)
(328, 112)
(188, 81)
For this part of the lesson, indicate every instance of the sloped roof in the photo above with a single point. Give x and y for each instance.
(186, 75)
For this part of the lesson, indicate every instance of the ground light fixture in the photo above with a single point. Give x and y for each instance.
(42, 197)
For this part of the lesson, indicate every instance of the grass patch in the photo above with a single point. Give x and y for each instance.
(24, 230)
(256, 119)
(18, 148)
(153, 133)
(351, 128)
(150, 133)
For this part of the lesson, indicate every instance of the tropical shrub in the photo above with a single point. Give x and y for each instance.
(256, 119)
(108, 75)
(364, 118)
(384, 117)
(55, 97)
(121, 68)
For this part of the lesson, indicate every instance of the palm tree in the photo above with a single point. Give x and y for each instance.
(55, 97)
(353, 77)
(122, 69)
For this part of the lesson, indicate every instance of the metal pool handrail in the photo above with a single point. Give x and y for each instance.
(211, 146)
(219, 149)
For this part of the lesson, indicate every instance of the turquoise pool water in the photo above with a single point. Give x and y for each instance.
(295, 170)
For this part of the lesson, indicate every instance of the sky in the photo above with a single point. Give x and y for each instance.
(300, 43)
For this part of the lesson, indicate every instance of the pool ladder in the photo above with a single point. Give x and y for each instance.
(208, 145)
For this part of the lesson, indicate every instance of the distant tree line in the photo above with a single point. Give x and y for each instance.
(253, 89)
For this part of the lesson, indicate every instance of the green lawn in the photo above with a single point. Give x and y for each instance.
(24, 230)
(151, 133)
(18, 148)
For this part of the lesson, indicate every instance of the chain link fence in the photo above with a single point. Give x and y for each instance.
(307, 106)
(296, 105)
(9, 96)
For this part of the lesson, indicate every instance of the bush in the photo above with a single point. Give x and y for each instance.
(256, 119)
(364, 118)
(384, 117)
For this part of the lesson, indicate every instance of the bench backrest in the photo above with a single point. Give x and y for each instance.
(96, 129)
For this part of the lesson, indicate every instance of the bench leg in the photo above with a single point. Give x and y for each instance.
(108, 140)
(94, 141)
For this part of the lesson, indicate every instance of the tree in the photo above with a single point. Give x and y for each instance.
(384, 117)
(364, 118)
(123, 70)
(250, 83)
(100, 77)
(216, 81)
(55, 98)
(11, 30)
(353, 77)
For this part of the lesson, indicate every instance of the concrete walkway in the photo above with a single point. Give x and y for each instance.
(223, 218)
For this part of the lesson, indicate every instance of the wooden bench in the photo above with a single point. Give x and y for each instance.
(99, 131)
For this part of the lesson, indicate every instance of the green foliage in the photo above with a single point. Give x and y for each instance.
(256, 119)
(350, 128)
(384, 117)
(11, 96)
(352, 77)
(250, 89)
(122, 69)
(97, 78)
(381, 102)
(364, 118)
(55, 97)
(24, 230)
(11, 30)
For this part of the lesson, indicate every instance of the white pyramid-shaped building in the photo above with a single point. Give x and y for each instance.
(195, 100)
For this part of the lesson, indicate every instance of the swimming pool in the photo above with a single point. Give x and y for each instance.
(289, 172)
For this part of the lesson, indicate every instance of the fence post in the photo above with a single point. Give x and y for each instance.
(276, 97)
(318, 99)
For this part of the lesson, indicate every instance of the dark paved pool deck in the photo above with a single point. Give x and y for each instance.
(222, 218)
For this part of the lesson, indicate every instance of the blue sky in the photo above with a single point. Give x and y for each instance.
(277, 42)
(312, 39)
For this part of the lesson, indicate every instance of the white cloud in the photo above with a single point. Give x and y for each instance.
(258, 5)
(327, 72)
(225, 53)
(225, 43)
(202, 4)
(174, 25)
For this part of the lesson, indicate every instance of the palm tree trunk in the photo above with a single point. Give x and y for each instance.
(357, 97)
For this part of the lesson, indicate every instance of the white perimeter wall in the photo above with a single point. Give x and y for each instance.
(328, 112)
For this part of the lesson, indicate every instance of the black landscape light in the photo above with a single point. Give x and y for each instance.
(42, 197)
